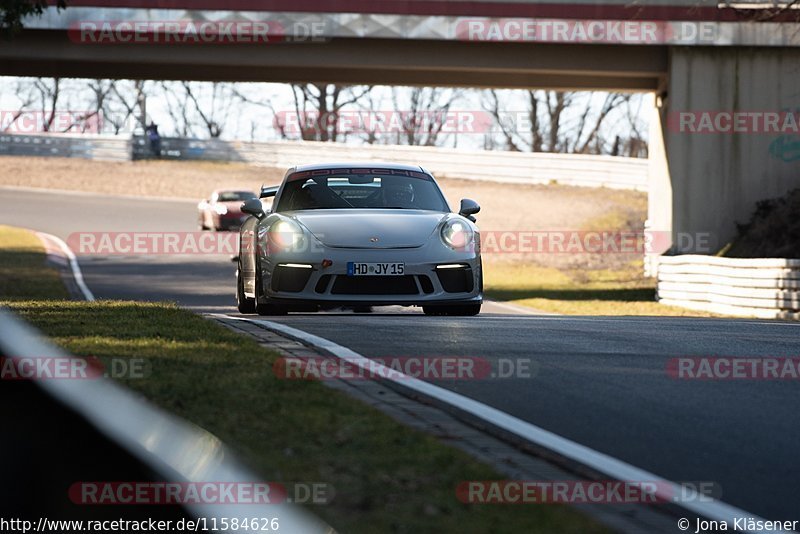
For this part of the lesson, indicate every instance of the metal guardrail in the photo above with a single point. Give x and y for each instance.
(168, 447)
(766, 288)
(484, 165)
(89, 146)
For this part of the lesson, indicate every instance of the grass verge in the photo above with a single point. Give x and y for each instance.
(23, 272)
(387, 477)
(578, 292)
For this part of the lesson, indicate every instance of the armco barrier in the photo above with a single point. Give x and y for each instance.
(484, 165)
(88, 146)
(766, 288)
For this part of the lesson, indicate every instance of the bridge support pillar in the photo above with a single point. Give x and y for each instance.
(718, 164)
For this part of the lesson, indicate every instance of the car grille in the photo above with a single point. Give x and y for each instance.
(375, 285)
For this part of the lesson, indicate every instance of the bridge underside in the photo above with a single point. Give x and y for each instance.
(699, 184)
(347, 61)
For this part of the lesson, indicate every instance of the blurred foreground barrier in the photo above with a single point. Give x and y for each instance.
(59, 433)
(766, 288)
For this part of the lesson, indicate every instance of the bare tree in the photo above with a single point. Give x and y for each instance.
(424, 114)
(91, 119)
(13, 11)
(178, 109)
(214, 111)
(48, 92)
(317, 109)
(26, 96)
(127, 101)
(552, 121)
(590, 142)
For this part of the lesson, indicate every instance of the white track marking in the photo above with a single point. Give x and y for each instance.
(73, 264)
(598, 461)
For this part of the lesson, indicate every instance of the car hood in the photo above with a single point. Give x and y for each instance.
(349, 228)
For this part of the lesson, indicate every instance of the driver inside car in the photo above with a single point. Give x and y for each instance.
(398, 195)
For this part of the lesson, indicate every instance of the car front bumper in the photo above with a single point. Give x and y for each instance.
(434, 274)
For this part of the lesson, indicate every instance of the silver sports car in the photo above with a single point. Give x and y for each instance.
(357, 236)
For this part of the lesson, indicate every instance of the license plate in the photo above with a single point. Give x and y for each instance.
(375, 269)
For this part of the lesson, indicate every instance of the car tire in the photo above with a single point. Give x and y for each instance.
(243, 304)
(270, 309)
(263, 308)
(465, 310)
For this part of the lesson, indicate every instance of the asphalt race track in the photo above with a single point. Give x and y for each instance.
(599, 381)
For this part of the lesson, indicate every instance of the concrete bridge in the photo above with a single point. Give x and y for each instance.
(725, 76)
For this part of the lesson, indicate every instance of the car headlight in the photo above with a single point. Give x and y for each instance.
(285, 234)
(221, 209)
(456, 234)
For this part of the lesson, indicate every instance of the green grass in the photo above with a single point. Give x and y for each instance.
(23, 273)
(387, 477)
(586, 292)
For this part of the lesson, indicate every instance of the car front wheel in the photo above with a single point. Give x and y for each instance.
(243, 304)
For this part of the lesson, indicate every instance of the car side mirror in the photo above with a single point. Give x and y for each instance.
(468, 208)
(253, 207)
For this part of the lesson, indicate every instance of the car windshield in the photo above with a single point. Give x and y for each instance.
(232, 196)
(377, 190)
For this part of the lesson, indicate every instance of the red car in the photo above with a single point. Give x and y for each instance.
(223, 210)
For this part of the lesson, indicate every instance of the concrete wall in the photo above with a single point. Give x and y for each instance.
(716, 178)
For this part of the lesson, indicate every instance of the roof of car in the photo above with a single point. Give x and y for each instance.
(359, 165)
